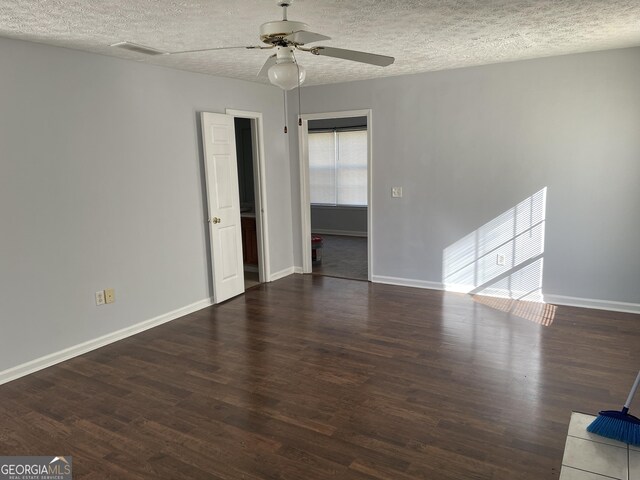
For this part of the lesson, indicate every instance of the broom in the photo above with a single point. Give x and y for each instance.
(619, 425)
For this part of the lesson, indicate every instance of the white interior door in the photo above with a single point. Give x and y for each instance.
(218, 137)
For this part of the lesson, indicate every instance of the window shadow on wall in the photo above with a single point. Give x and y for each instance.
(501, 263)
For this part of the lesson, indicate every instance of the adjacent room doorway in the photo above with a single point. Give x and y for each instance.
(252, 193)
(234, 164)
(335, 152)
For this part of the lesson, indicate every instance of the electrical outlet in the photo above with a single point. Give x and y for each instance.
(109, 295)
(100, 298)
(396, 192)
(500, 259)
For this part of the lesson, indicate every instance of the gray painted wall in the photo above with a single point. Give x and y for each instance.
(101, 185)
(345, 220)
(468, 144)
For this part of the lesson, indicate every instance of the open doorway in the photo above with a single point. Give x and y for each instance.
(246, 190)
(335, 172)
(252, 202)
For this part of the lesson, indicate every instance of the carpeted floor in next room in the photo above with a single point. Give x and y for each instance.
(343, 256)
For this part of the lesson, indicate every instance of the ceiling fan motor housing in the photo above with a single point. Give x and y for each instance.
(274, 32)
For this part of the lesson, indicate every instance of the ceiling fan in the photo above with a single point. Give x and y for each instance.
(286, 36)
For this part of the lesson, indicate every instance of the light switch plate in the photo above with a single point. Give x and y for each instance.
(110, 295)
(396, 192)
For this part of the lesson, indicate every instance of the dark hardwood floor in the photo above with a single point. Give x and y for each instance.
(315, 377)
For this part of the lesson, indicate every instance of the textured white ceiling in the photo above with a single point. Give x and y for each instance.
(423, 35)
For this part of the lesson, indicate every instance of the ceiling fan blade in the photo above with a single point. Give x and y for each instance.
(363, 57)
(271, 61)
(302, 37)
(212, 49)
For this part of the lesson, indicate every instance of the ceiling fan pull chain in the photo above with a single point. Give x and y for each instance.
(299, 102)
(284, 98)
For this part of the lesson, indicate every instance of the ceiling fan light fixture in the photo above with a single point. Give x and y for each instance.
(285, 75)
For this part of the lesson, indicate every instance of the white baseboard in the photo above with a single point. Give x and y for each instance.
(346, 233)
(592, 303)
(282, 273)
(298, 270)
(548, 297)
(489, 291)
(407, 282)
(48, 360)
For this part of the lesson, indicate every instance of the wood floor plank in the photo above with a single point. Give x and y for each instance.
(314, 377)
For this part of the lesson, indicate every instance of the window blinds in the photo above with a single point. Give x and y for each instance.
(338, 168)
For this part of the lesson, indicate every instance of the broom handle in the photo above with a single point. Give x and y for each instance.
(632, 392)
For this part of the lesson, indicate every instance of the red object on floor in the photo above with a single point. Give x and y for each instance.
(316, 249)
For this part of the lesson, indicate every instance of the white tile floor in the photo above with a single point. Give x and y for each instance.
(591, 457)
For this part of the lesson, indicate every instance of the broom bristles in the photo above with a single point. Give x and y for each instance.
(617, 426)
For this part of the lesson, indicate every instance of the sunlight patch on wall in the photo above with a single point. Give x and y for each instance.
(504, 257)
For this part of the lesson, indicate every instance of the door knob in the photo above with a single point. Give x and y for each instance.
(215, 220)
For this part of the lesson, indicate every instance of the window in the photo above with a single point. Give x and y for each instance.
(338, 167)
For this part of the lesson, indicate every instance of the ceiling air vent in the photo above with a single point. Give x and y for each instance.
(134, 47)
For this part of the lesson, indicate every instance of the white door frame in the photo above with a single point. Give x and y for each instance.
(305, 201)
(260, 185)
